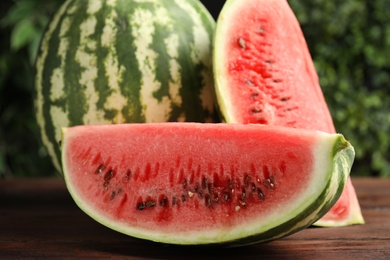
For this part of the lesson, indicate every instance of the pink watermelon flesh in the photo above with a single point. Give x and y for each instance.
(143, 169)
(269, 69)
(175, 178)
(271, 79)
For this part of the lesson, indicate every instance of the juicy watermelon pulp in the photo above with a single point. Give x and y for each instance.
(191, 183)
(264, 74)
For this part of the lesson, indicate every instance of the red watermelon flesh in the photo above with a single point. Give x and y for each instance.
(264, 74)
(189, 183)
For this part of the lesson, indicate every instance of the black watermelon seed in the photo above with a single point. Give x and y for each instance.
(100, 169)
(150, 204)
(261, 194)
(113, 195)
(108, 176)
(163, 201)
(253, 187)
(226, 196)
(256, 110)
(141, 206)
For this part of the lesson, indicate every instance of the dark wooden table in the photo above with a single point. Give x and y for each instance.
(38, 219)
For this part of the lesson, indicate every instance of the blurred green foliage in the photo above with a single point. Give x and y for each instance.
(21, 26)
(349, 41)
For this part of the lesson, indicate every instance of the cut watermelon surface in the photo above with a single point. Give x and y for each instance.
(264, 74)
(191, 183)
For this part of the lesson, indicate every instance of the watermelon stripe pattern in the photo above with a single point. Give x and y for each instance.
(123, 61)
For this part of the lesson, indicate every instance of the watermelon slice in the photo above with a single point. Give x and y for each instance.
(192, 183)
(264, 74)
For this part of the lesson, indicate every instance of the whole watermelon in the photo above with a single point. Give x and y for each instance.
(123, 61)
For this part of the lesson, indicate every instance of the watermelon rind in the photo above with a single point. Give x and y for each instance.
(124, 61)
(333, 159)
(355, 215)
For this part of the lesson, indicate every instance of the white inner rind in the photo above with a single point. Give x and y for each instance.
(223, 93)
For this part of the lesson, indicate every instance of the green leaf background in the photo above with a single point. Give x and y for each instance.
(349, 41)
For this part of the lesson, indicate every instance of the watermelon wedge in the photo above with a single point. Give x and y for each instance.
(264, 74)
(193, 183)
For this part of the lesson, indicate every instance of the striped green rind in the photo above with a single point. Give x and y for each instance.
(122, 61)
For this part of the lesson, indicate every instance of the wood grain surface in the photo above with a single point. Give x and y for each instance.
(38, 219)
